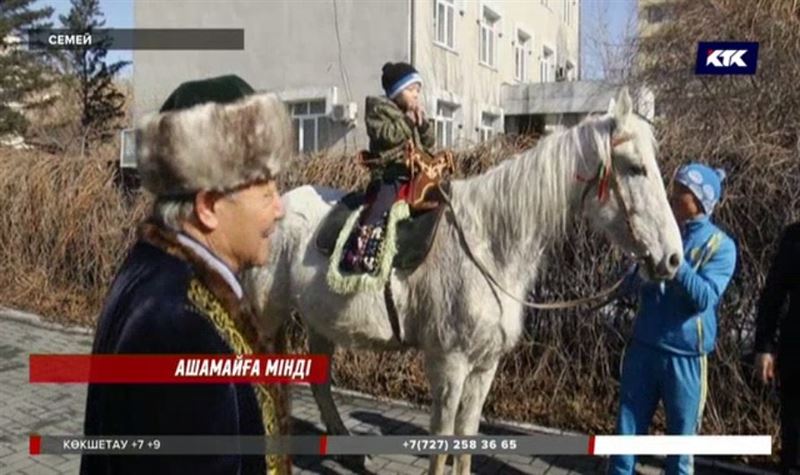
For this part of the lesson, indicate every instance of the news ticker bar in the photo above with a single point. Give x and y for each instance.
(392, 445)
(139, 39)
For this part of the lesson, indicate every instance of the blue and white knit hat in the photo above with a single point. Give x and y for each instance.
(704, 182)
(398, 76)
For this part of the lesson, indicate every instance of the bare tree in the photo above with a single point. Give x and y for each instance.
(609, 40)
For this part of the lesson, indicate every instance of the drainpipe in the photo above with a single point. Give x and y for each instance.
(411, 32)
(579, 66)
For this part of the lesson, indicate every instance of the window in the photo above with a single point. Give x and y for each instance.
(310, 124)
(490, 22)
(445, 115)
(547, 65)
(522, 50)
(444, 22)
(488, 126)
(570, 71)
(656, 13)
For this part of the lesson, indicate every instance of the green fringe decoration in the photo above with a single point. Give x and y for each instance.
(346, 283)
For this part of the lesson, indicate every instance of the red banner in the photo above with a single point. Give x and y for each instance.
(122, 369)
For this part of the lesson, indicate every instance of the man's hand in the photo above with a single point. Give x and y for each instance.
(765, 367)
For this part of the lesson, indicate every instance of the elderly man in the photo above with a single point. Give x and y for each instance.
(676, 326)
(210, 157)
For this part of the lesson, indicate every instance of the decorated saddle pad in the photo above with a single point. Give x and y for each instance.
(363, 255)
(411, 236)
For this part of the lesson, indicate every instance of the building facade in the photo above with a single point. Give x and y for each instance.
(551, 107)
(652, 14)
(467, 51)
(324, 57)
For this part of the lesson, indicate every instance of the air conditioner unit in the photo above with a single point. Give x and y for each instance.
(127, 151)
(346, 112)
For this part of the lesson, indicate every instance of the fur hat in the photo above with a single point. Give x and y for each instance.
(213, 134)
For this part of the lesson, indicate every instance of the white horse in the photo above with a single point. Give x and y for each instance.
(447, 308)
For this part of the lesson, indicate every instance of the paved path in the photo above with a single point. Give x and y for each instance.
(57, 409)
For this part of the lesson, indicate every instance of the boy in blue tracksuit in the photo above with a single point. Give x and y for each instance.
(676, 325)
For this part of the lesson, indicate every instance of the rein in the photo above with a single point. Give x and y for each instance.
(604, 180)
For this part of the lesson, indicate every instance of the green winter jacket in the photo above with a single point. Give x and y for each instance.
(389, 129)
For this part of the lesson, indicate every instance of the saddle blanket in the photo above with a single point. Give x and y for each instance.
(363, 255)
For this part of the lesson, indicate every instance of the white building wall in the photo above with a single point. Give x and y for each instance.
(321, 49)
(456, 75)
(291, 46)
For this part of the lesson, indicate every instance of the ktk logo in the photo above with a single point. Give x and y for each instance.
(726, 58)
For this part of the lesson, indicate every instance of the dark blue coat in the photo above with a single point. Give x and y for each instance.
(148, 311)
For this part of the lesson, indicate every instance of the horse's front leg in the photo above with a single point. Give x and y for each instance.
(317, 344)
(468, 418)
(446, 374)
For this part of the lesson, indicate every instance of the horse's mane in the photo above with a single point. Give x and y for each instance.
(531, 193)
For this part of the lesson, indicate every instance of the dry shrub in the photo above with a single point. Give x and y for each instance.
(63, 232)
(749, 126)
(57, 127)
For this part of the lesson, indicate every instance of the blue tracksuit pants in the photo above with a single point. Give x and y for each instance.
(650, 375)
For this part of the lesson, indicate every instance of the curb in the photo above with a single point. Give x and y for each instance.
(34, 320)
(37, 321)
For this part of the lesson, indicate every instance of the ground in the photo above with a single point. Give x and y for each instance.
(57, 409)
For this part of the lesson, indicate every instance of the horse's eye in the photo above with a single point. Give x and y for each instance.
(638, 170)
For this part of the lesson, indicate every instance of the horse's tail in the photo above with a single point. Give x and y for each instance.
(268, 288)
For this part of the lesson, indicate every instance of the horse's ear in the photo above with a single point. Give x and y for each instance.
(623, 107)
(611, 104)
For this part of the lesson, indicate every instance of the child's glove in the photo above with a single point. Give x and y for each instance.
(416, 115)
(420, 116)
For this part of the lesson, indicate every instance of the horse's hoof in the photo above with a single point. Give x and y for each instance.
(354, 462)
(370, 466)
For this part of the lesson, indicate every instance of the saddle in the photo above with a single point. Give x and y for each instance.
(415, 235)
(427, 171)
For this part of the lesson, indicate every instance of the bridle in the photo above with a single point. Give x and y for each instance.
(605, 179)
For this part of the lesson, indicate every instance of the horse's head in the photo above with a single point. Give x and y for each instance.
(627, 199)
